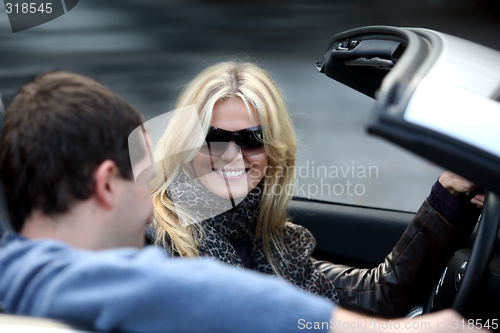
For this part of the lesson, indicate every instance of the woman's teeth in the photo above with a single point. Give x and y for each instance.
(230, 173)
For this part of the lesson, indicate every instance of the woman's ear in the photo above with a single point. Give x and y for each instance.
(105, 183)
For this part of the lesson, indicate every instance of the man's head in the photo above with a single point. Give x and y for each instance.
(65, 142)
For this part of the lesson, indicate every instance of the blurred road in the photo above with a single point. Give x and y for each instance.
(147, 50)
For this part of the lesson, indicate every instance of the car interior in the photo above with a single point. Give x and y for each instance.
(427, 86)
(391, 65)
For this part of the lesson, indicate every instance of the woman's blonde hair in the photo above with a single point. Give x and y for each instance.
(262, 98)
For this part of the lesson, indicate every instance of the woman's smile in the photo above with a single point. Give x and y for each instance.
(231, 173)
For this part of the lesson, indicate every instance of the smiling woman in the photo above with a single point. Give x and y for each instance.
(229, 99)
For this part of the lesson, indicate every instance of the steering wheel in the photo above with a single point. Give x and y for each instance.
(466, 268)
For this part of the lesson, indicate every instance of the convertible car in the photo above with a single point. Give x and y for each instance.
(426, 85)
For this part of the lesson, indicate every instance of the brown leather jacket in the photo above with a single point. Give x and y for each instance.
(407, 273)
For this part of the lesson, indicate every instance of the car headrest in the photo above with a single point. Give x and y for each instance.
(4, 222)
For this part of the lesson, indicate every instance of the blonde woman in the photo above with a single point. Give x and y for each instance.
(226, 177)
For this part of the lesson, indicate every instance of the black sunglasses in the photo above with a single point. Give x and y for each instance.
(249, 141)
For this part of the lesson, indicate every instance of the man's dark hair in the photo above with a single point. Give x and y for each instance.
(57, 131)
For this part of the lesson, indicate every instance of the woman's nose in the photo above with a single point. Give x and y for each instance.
(232, 152)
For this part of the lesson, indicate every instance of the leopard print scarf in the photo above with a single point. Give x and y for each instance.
(223, 220)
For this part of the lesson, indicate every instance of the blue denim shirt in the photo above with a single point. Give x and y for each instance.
(145, 290)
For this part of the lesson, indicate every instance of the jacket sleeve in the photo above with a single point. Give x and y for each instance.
(391, 288)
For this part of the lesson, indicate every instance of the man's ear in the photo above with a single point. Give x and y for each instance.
(105, 183)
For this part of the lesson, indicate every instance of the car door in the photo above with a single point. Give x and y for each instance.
(348, 234)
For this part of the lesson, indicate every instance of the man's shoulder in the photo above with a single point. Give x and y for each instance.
(14, 247)
(16, 250)
(22, 259)
(32, 269)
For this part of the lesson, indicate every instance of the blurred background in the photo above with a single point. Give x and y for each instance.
(148, 50)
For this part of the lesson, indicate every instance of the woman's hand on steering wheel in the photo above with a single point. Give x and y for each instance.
(457, 185)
